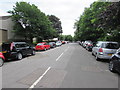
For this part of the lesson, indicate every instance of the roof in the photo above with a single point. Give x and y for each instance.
(108, 41)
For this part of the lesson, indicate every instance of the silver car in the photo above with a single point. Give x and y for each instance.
(104, 49)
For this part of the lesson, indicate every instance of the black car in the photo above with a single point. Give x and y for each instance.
(114, 64)
(16, 50)
(52, 44)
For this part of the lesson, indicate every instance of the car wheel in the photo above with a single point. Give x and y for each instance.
(92, 54)
(112, 67)
(1, 62)
(97, 58)
(33, 52)
(45, 49)
(88, 49)
(19, 56)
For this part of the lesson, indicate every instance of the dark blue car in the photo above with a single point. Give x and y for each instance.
(114, 65)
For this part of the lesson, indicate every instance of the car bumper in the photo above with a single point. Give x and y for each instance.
(104, 57)
(39, 49)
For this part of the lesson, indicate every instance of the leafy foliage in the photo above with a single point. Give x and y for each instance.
(66, 37)
(56, 23)
(30, 22)
(87, 27)
(110, 22)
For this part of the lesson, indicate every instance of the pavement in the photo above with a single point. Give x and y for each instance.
(67, 66)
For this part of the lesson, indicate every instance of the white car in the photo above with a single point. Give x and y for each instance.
(58, 43)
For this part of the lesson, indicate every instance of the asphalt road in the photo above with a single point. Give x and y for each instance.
(67, 66)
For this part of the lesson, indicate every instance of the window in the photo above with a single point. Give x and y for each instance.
(5, 47)
(40, 44)
(110, 45)
(98, 45)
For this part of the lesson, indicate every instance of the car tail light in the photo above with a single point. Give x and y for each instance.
(100, 50)
(11, 46)
(90, 45)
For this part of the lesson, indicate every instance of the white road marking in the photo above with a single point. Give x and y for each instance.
(61, 54)
(38, 80)
(66, 49)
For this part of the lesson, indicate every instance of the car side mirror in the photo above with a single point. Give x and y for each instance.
(14, 49)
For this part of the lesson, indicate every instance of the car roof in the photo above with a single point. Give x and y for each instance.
(16, 43)
(42, 43)
(107, 42)
(19, 42)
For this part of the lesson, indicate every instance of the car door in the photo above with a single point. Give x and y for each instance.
(118, 62)
(96, 48)
(47, 45)
(28, 48)
(23, 49)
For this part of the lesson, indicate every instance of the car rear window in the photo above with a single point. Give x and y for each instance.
(110, 45)
(40, 44)
(5, 47)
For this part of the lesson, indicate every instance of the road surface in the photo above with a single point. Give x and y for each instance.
(67, 66)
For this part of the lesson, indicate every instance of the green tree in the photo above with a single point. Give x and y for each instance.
(30, 22)
(56, 23)
(66, 37)
(87, 25)
(110, 22)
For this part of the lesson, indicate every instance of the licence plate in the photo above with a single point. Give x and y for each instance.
(109, 54)
(4, 51)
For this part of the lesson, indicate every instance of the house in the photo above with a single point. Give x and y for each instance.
(6, 27)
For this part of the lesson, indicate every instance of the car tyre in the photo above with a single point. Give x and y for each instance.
(92, 54)
(19, 56)
(1, 62)
(97, 58)
(45, 49)
(111, 66)
(33, 52)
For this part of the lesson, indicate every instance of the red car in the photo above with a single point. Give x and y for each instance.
(2, 58)
(42, 46)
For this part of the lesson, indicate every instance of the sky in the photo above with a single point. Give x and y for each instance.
(68, 11)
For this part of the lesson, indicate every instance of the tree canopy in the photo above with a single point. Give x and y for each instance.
(66, 37)
(110, 22)
(88, 26)
(56, 23)
(30, 22)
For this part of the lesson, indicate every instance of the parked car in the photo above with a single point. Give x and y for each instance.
(86, 43)
(42, 46)
(89, 46)
(80, 42)
(52, 44)
(2, 59)
(16, 50)
(114, 64)
(104, 49)
(63, 42)
(58, 43)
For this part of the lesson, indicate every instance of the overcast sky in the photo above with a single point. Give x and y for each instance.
(67, 10)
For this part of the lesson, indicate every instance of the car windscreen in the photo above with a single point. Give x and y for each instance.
(58, 42)
(40, 44)
(111, 45)
(5, 47)
(89, 43)
(51, 42)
